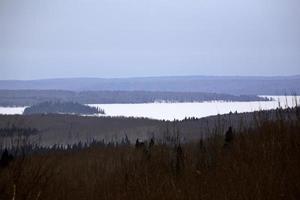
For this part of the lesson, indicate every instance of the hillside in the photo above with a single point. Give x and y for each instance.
(62, 108)
(70, 129)
(210, 84)
(31, 97)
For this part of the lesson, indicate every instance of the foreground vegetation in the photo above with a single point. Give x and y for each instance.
(261, 162)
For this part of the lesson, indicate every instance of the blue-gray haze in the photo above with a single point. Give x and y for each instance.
(126, 38)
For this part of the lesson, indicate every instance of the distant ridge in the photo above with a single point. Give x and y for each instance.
(237, 85)
(32, 97)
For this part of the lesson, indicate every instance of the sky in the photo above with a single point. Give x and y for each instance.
(129, 38)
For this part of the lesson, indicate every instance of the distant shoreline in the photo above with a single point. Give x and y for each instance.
(9, 98)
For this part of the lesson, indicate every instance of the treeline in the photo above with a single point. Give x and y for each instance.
(31, 97)
(24, 147)
(62, 107)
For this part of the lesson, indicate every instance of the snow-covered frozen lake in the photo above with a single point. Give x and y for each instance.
(11, 110)
(170, 111)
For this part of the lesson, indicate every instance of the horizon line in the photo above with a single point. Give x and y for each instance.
(163, 76)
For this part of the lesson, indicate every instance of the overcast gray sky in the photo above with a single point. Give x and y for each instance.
(125, 38)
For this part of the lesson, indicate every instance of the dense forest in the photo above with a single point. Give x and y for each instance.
(31, 97)
(62, 108)
(62, 129)
(257, 162)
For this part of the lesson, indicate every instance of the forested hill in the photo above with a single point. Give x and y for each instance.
(62, 107)
(210, 84)
(70, 129)
(31, 97)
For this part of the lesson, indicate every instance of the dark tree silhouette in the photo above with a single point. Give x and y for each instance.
(151, 144)
(139, 145)
(179, 165)
(229, 136)
(6, 158)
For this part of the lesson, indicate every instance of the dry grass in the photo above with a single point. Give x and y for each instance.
(262, 163)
